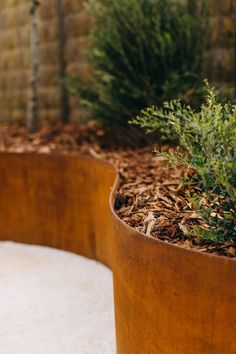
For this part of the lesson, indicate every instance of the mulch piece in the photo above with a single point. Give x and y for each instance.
(151, 195)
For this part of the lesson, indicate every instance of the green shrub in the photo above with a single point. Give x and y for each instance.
(142, 52)
(208, 139)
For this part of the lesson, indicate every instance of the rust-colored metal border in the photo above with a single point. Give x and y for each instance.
(57, 200)
(168, 300)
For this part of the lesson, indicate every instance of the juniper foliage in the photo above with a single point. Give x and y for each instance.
(208, 138)
(142, 52)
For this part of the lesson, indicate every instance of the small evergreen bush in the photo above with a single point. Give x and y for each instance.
(209, 142)
(142, 52)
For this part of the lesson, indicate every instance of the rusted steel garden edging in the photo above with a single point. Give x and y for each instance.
(168, 300)
(57, 200)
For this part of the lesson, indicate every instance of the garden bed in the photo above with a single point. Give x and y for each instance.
(150, 197)
(61, 201)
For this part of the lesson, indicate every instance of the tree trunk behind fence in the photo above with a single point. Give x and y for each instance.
(64, 99)
(34, 80)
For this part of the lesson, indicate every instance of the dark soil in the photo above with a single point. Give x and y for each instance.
(151, 195)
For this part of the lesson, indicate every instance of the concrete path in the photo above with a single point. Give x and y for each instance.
(54, 302)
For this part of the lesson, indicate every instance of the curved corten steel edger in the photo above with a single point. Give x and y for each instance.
(59, 201)
(168, 300)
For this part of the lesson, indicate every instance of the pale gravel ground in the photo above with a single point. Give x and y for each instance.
(54, 302)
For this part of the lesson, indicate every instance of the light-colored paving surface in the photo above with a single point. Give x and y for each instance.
(54, 302)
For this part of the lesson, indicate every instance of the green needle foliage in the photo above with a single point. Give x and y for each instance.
(208, 139)
(142, 52)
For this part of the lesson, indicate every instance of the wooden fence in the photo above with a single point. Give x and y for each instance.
(15, 54)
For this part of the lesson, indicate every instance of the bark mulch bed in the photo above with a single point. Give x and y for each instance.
(151, 195)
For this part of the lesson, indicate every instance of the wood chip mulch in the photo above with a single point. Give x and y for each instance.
(151, 195)
(151, 199)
